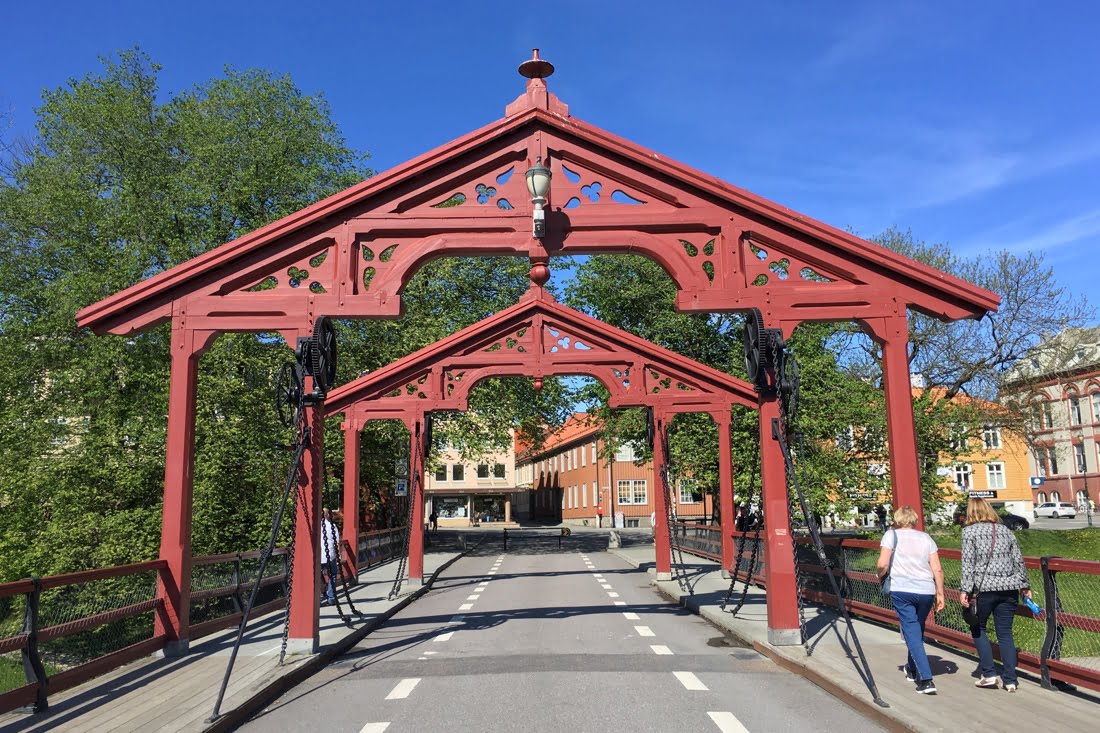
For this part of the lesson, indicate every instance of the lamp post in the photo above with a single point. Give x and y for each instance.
(538, 185)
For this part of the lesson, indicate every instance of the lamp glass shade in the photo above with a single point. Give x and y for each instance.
(538, 181)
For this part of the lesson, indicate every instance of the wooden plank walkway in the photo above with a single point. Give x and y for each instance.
(177, 695)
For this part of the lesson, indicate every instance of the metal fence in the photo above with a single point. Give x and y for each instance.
(380, 546)
(704, 540)
(1061, 646)
(221, 585)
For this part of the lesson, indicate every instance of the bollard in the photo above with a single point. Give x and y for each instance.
(506, 539)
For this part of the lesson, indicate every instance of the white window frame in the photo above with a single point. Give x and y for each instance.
(1075, 416)
(594, 452)
(1048, 414)
(1041, 497)
(445, 472)
(596, 494)
(1055, 496)
(991, 437)
(1080, 463)
(961, 470)
(687, 483)
(625, 453)
(479, 472)
(995, 475)
(1052, 459)
(632, 487)
(584, 495)
(459, 467)
(584, 462)
(1094, 398)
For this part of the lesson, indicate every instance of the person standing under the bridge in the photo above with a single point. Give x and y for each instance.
(993, 575)
(911, 560)
(330, 555)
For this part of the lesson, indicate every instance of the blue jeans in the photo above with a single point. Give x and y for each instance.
(913, 610)
(332, 568)
(1001, 605)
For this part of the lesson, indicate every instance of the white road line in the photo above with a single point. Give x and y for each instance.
(444, 636)
(479, 589)
(375, 728)
(612, 594)
(690, 681)
(661, 650)
(630, 616)
(728, 723)
(465, 607)
(620, 603)
(645, 631)
(431, 653)
(597, 576)
(457, 619)
(491, 572)
(404, 687)
(605, 586)
(474, 597)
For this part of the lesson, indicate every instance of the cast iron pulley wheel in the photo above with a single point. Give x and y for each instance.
(789, 385)
(323, 354)
(288, 393)
(755, 343)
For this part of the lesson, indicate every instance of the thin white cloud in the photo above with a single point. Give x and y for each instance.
(1047, 237)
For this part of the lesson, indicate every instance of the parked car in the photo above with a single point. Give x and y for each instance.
(1014, 521)
(1055, 509)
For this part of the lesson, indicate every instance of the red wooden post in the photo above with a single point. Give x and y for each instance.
(417, 449)
(661, 498)
(352, 437)
(782, 595)
(725, 488)
(305, 611)
(174, 584)
(893, 335)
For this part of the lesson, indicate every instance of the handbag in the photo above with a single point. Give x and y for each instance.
(970, 612)
(885, 583)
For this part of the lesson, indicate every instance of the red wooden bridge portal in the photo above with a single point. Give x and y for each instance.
(350, 256)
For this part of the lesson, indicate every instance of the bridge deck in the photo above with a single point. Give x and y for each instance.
(178, 694)
(958, 706)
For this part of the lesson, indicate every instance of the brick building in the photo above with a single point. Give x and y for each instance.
(570, 480)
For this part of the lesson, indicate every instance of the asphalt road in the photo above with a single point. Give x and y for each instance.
(542, 639)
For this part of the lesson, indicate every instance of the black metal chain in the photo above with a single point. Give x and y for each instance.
(335, 546)
(755, 469)
(296, 499)
(414, 485)
(675, 551)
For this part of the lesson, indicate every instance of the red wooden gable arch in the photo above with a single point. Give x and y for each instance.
(537, 337)
(351, 255)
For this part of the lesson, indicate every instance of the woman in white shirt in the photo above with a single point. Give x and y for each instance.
(912, 561)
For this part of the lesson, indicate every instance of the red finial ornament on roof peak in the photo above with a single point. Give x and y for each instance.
(536, 70)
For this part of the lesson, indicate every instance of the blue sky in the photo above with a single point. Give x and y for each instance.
(971, 123)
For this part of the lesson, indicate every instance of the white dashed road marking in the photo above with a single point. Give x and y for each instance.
(404, 687)
(598, 576)
(605, 586)
(663, 651)
(431, 653)
(620, 603)
(630, 616)
(728, 723)
(444, 636)
(375, 728)
(465, 607)
(613, 594)
(474, 597)
(645, 631)
(690, 681)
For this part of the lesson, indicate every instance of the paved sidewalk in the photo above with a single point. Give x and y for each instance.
(959, 706)
(178, 694)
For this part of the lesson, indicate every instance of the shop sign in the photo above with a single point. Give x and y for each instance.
(984, 494)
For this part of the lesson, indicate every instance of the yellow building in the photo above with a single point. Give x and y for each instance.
(993, 465)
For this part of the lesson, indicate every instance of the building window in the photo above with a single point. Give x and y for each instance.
(594, 451)
(441, 473)
(583, 461)
(1082, 500)
(632, 491)
(846, 440)
(625, 453)
(1075, 410)
(991, 437)
(1052, 460)
(458, 472)
(1095, 407)
(584, 494)
(1041, 464)
(573, 458)
(1079, 456)
(483, 470)
(689, 491)
(1055, 496)
(963, 475)
(1042, 497)
(959, 439)
(1048, 414)
(595, 495)
(498, 470)
(995, 475)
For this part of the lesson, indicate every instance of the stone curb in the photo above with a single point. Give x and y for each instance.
(232, 719)
(855, 699)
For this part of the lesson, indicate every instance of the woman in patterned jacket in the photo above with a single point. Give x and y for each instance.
(993, 567)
